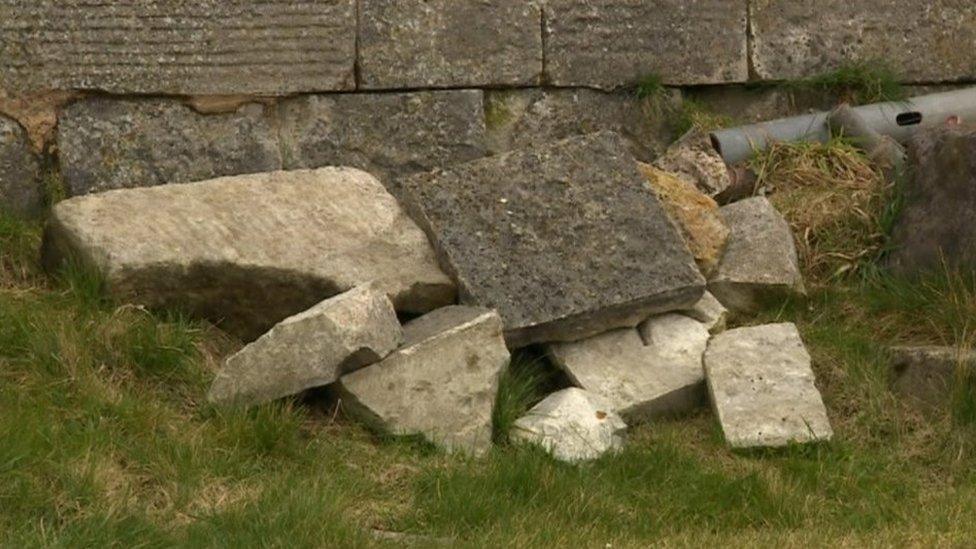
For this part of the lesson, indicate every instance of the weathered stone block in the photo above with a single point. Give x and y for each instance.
(565, 241)
(927, 41)
(517, 119)
(111, 144)
(177, 47)
(441, 384)
(446, 43)
(311, 349)
(762, 387)
(930, 375)
(388, 135)
(250, 250)
(613, 43)
(710, 312)
(20, 188)
(573, 425)
(695, 160)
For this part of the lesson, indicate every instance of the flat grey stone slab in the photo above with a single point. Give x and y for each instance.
(248, 251)
(441, 383)
(177, 47)
(20, 186)
(311, 349)
(108, 144)
(613, 43)
(565, 241)
(762, 387)
(447, 43)
(386, 134)
(572, 425)
(924, 41)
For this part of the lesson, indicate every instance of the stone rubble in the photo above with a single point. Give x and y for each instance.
(20, 185)
(694, 159)
(573, 425)
(710, 312)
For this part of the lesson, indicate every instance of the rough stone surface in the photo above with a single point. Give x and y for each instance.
(760, 263)
(926, 41)
(441, 384)
(612, 43)
(565, 241)
(111, 144)
(446, 43)
(20, 187)
(696, 215)
(710, 312)
(929, 375)
(644, 374)
(311, 349)
(694, 159)
(388, 135)
(523, 118)
(573, 425)
(762, 387)
(177, 47)
(248, 251)
(935, 227)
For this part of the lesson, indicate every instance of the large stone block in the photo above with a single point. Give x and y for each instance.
(565, 241)
(441, 384)
(573, 425)
(935, 228)
(178, 47)
(248, 251)
(762, 387)
(311, 349)
(20, 188)
(613, 43)
(388, 134)
(446, 43)
(926, 40)
(112, 144)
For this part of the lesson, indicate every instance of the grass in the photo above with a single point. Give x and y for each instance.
(857, 83)
(650, 86)
(107, 440)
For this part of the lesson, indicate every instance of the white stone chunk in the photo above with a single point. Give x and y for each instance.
(573, 425)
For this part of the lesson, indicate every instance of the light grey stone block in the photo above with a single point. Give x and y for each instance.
(573, 425)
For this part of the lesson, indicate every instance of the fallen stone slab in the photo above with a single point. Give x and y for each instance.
(20, 186)
(710, 312)
(644, 374)
(107, 143)
(248, 251)
(760, 263)
(440, 384)
(311, 349)
(446, 43)
(929, 375)
(572, 425)
(762, 388)
(694, 159)
(565, 241)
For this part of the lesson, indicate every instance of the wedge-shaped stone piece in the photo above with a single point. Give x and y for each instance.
(565, 241)
(760, 263)
(249, 251)
(710, 312)
(573, 425)
(311, 349)
(441, 384)
(762, 387)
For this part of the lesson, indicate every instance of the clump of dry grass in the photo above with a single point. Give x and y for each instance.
(834, 199)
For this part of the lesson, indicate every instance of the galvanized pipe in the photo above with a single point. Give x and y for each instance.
(898, 119)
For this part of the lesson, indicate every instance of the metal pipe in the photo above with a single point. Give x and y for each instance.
(897, 119)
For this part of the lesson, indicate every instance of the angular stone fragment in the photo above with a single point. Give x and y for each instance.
(248, 251)
(20, 187)
(112, 144)
(441, 384)
(446, 43)
(565, 241)
(921, 40)
(760, 263)
(385, 134)
(573, 425)
(613, 43)
(696, 215)
(710, 312)
(762, 387)
(935, 228)
(523, 118)
(645, 374)
(177, 47)
(311, 349)
(929, 375)
(694, 159)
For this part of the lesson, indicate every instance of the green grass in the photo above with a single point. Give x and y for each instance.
(650, 86)
(107, 440)
(857, 83)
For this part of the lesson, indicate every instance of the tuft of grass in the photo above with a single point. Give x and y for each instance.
(19, 241)
(522, 385)
(649, 86)
(693, 115)
(857, 83)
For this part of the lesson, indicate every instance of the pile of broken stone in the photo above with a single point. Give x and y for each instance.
(623, 273)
